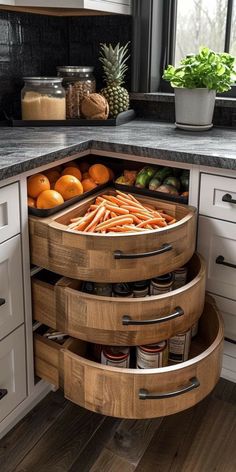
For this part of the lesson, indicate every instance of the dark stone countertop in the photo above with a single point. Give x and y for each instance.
(23, 149)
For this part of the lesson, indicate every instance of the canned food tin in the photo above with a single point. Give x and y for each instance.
(122, 290)
(162, 284)
(103, 289)
(180, 277)
(179, 346)
(141, 288)
(152, 356)
(115, 356)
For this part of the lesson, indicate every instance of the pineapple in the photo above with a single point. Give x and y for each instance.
(114, 67)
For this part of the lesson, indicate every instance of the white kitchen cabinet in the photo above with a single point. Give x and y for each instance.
(9, 211)
(11, 286)
(12, 371)
(218, 197)
(107, 6)
(228, 310)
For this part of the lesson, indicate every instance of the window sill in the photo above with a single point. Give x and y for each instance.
(228, 102)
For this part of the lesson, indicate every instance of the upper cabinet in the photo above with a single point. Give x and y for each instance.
(67, 7)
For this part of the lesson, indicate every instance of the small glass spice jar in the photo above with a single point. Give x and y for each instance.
(78, 82)
(141, 288)
(103, 289)
(43, 98)
(122, 290)
(162, 284)
(151, 356)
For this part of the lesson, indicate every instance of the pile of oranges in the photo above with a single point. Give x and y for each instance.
(59, 184)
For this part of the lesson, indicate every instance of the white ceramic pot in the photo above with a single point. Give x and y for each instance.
(194, 106)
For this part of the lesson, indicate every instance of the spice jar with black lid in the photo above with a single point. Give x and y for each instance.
(122, 290)
(78, 82)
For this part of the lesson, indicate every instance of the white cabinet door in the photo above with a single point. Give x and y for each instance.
(11, 286)
(9, 211)
(12, 372)
(228, 310)
(218, 238)
(218, 197)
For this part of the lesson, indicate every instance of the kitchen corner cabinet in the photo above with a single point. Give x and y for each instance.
(75, 7)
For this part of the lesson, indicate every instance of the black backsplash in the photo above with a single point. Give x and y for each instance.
(33, 45)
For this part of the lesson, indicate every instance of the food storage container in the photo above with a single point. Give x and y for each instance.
(78, 82)
(43, 98)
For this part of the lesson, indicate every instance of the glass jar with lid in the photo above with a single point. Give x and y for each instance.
(78, 82)
(43, 98)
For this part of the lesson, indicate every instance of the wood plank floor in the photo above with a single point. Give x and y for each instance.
(58, 436)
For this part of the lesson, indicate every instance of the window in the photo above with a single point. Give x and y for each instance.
(167, 30)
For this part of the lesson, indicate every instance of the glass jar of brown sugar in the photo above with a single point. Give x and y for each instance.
(78, 82)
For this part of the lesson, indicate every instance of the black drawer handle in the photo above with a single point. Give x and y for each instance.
(221, 260)
(127, 320)
(145, 395)
(121, 255)
(2, 301)
(3, 392)
(228, 198)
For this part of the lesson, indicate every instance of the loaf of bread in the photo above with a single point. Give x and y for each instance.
(95, 107)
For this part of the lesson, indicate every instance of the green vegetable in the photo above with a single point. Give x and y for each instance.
(171, 180)
(144, 177)
(207, 69)
(168, 189)
(123, 180)
(154, 183)
(162, 173)
(184, 179)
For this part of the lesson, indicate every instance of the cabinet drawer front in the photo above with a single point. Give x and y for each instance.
(101, 319)
(12, 371)
(116, 392)
(9, 211)
(228, 311)
(96, 257)
(214, 190)
(218, 238)
(11, 286)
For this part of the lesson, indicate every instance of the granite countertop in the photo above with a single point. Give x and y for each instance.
(23, 149)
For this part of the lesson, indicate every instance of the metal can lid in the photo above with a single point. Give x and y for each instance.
(152, 348)
(163, 279)
(140, 284)
(122, 289)
(116, 353)
(73, 69)
(43, 79)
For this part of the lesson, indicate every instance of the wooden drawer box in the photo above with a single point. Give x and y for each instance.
(9, 212)
(124, 392)
(217, 243)
(218, 197)
(114, 257)
(11, 286)
(100, 319)
(12, 371)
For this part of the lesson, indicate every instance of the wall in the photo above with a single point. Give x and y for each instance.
(33, 45)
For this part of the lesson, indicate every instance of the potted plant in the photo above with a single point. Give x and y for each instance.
(196, 81)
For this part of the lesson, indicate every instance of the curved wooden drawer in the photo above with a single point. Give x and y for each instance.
(96, 257)
(101, 319)
(120, 392)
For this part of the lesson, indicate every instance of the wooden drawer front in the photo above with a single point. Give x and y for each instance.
(9, 211)
(12, 371)
(90, 256)
(11, 287)
(228, 311)
(213, 189)
(217, 238)
(100, 319)
(116, 392)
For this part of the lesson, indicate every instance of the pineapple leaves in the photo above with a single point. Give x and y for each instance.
(114, 62)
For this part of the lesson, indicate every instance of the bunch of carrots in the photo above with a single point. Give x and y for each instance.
(120, 213)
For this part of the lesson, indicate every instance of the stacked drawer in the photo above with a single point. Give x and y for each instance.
(12, 337)
(217, 242)
(95, 319)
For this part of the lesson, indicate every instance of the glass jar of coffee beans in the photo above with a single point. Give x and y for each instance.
(78, 81)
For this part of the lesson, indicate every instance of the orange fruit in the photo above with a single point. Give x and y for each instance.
(88, 184)
(49, 199)
(69, 186)
(72, 171)
(99, 173)
(52, 175)
(31, 202)
(36, 184)
(84, 166)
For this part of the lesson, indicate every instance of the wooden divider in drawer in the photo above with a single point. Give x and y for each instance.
(112, 257)
(130, 321)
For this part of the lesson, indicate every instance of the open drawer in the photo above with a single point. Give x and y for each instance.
(135, 393)
(61, 305)
(112, 257)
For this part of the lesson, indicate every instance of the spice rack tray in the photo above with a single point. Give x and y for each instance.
(121, 119)
(150, 193)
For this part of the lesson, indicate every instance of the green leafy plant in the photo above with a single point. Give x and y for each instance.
(207, 69)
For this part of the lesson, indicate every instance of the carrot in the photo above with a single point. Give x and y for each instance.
(99, 214)
(152, 221)
(86, 220)
(142, 216)
(118, 210)
(118, 220)
(168, 218)
(111, 199)
(134, 209)
(122, 194)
